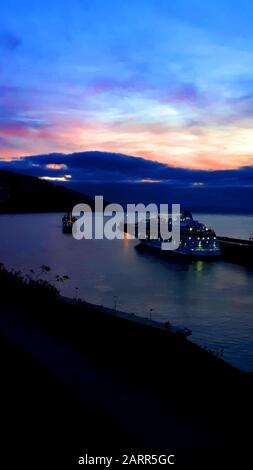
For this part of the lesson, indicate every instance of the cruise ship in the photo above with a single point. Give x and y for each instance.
(196, 240)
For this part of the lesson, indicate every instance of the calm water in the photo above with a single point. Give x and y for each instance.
(214, 299)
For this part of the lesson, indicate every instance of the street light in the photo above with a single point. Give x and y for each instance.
(150, 314)
(115, 297)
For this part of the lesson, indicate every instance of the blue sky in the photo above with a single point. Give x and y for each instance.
(170, 81)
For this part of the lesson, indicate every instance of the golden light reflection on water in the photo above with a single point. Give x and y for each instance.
(126, 241)
(199, 265)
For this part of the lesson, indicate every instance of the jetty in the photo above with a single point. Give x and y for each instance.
(236, 249)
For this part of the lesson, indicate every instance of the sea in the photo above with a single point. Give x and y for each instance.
(212, 298)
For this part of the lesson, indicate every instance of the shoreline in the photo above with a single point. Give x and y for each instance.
(193, 385)
(126, 315)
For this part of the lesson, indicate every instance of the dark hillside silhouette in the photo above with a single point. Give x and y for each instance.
(20, 193)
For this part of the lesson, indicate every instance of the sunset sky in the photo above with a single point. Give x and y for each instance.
(170, 81)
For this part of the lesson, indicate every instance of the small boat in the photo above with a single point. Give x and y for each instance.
(67, 222)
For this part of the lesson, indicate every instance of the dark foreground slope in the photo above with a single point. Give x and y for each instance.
(21, 193)
(44, 421)
(119, 386)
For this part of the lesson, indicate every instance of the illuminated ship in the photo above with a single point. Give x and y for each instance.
(196, 240)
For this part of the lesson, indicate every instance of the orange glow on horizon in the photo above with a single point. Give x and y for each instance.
(56, 178)
(209, 148)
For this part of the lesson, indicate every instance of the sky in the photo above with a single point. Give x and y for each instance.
(168, 81)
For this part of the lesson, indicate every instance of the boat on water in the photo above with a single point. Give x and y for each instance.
(196, 240)
(236, 249)
(67, 222)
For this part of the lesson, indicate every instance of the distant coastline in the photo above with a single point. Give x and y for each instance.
(28, 194)
(20, 194)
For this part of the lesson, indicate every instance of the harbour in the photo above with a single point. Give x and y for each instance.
(126, 233)
(212, 299)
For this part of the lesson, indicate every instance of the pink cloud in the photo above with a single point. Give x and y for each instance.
(56, 166)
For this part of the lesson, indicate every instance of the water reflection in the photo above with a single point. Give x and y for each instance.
(214, 298)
